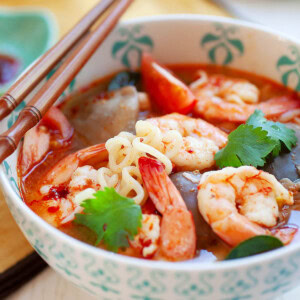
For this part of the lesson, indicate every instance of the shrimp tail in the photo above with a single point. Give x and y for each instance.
(63, 170)
(178, 234)
(285, 233)
(56, 120)
(37, 140)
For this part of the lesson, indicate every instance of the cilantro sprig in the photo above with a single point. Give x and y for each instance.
(253, 142)
(277, 131)
(113, 218)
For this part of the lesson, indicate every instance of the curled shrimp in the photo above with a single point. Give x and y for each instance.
(239, 203)
(177, 232)
(68, 183)
(200, 140)
(224, 99)
(94, 155)
(187, 126)
(53, 129)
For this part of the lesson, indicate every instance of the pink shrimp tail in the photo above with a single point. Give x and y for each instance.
(278, 105)
(285, 233)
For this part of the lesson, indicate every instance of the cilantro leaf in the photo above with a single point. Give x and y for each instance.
(278, 131)
(246, 146)
(114, 218)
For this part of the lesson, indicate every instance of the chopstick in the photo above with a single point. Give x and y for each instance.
(23, 86)
(54, 87)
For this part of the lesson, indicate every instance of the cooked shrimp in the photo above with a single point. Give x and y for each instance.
(147, 240)
(195, 154)
(68, 183)
(223, 99)
(188, 126)
(200, 140)
(177, 232)
(239, 203)
(37, 141)
(63, 170)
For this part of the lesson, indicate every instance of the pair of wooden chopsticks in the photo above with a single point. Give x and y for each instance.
(85, 43)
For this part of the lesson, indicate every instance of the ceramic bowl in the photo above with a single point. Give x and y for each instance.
(171, 39)
(25, 34)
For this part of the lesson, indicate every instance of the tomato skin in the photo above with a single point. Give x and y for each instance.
(167, 91)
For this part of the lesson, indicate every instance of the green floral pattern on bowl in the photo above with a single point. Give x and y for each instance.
(25, 35)
(222, 40)
(133, 43)
(289, 65)
(113, 277)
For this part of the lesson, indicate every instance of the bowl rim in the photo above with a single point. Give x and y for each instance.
(189, 265)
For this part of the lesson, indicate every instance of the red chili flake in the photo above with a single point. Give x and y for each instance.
(149, 208)
(56, 193)
(141, 140)
(122, 147)
(266, 190)
(190, 151)
(53, 209)
(145, 243)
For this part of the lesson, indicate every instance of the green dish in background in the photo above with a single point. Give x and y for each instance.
(25, 34)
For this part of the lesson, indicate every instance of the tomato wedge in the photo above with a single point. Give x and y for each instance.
(167, 91)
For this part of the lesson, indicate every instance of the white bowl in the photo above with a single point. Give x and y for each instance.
(171, 39)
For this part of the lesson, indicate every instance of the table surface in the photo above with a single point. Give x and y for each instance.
(50, 285)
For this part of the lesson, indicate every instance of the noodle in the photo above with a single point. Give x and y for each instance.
(124, 151)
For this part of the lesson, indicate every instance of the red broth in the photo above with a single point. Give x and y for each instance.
(188, 73)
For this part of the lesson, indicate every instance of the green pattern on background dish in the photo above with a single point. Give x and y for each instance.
(25, 35)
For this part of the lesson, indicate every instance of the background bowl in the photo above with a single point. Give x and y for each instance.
(25, 34)
(171, 39)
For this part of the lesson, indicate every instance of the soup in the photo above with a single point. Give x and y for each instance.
(141, 163)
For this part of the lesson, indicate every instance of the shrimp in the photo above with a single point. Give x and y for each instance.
(68, 183)
(239, 203)
(188, 126)
(177, 231)
(63, 170)
(200, 140)
(224, 99)
(54, 129)
(146, 242)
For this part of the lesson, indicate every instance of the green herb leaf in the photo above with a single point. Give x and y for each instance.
(246, 146)
(255, 245)
(123, 79)
(114, 218)
(251, 143)
(277, 131)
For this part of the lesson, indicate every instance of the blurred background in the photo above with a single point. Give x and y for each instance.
(25, 33)
(282, 15)
(68, 12)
